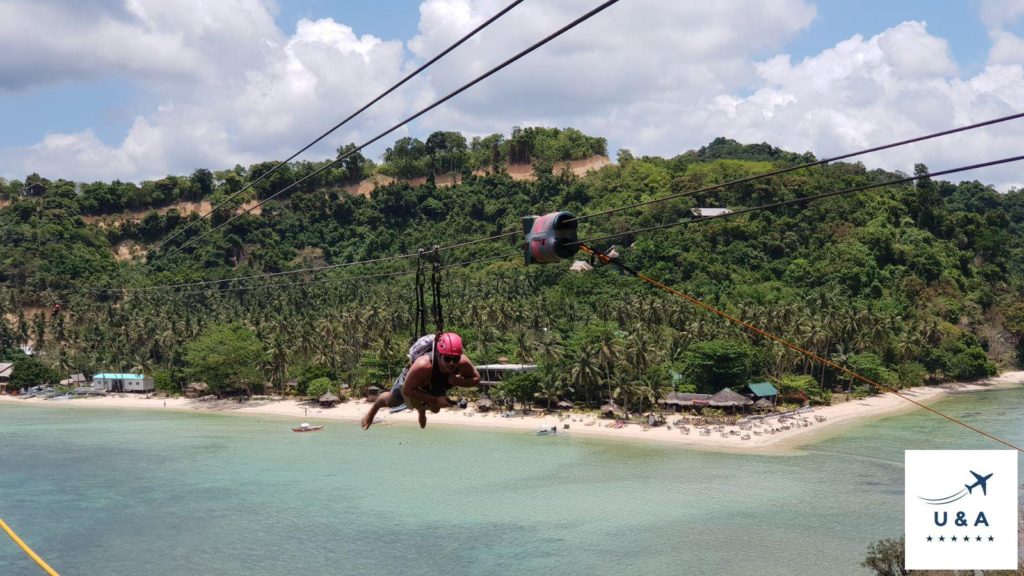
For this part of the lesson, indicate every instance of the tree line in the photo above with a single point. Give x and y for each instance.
(906, 284)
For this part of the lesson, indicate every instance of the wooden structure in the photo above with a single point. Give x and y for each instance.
(328, 400)
(117, 382)
(726, 398)
(196, 389)
(492, 374)
(6, 371)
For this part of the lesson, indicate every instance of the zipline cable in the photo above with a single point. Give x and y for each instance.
(329, 280)
(644, 203)
(594, 240)
(423, 111)
(801, 166)
(408, 77)
(607, 260)
(303, 270)
(803, 200)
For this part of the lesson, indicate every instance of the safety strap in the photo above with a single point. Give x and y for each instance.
(431, 257)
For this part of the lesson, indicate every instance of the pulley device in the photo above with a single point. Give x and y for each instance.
(428, 258)
(550, 238)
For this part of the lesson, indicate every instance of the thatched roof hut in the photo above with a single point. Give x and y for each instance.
(612, 410)
(372, 392)
(726, 398)
(328, 400)
(565, 405)
(484, 404)
(763, 404)
(196, 389)
(684, 399)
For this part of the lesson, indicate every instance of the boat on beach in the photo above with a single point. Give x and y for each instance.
(307, 427)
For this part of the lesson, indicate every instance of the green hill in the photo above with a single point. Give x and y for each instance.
(902, 283)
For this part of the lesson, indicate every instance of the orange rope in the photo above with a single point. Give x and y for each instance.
(606, 260)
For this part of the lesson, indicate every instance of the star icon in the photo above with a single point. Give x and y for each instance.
(978, 539)
(953, 539)
(967, 538)
(991, 538)
(942, 538)
(929, 538)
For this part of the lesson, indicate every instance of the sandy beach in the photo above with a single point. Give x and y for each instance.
(768, 436)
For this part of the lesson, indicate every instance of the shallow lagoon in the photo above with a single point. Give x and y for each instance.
(140, 492)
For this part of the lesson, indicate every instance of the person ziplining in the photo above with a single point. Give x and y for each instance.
(437, 364)
(436, 361)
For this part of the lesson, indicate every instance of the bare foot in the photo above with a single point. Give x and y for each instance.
(423, 417)
(368, 419)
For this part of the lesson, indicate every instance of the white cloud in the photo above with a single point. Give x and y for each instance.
(1007, 48)
(864, 93)
(657, 77)
(997, 14)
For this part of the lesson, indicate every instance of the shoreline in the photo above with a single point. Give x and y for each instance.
(837, 418)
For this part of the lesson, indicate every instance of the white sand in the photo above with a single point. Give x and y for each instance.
(837, 418)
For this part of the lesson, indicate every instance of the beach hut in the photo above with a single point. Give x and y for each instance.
(371, 393)
(196, 389)
(328, 400)
(726, 398)
(612, 410)
(484, 404)
(763, 404)
(565, 405)
(119, 382)
(765, 390)
(6, 370)
(680, 400)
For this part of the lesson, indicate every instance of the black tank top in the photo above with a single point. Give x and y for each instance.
(438, 380)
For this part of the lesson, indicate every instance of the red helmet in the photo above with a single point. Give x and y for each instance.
(449, 344)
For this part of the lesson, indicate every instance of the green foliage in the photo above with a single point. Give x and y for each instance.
(28, 371)
(163, 382)
(226, 357)
(910, 374)
(318, 387)
(885, 557)
(718, 364)
(900, 282)
(872, 367)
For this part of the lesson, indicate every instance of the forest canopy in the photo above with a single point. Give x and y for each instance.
(907, 283)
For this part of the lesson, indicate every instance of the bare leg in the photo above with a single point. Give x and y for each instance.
(380, 402)
(423, 415)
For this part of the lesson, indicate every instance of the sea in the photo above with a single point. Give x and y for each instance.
(112, 492)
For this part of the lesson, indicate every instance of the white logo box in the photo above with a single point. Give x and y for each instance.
(961, 509)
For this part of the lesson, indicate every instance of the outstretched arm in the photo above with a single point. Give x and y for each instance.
(465, 376)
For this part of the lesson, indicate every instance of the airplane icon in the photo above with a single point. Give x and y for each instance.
(981, 481)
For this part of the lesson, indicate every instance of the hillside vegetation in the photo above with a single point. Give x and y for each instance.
(903, 284)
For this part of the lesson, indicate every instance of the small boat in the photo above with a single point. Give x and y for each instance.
(307, 427)
(545, 430)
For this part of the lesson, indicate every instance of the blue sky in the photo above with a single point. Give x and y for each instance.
(136, 90)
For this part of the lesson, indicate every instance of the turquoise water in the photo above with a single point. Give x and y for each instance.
(135, 492)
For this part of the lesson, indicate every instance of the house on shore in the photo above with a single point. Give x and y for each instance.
(76, 381)
(762, 391)
(115, 382)
(493, 374)
(6, 371)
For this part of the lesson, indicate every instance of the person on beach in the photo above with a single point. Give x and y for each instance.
(437, 365)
